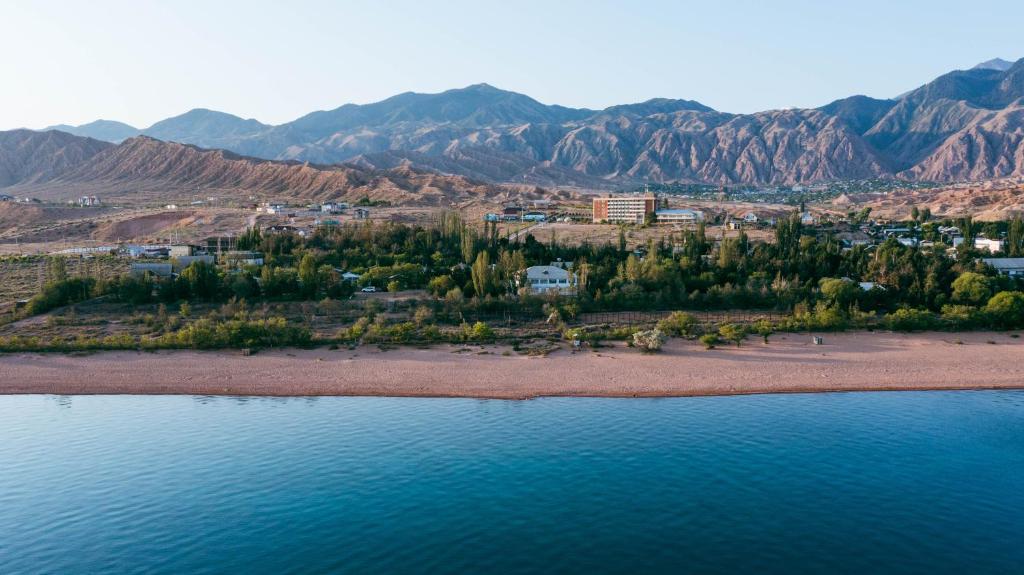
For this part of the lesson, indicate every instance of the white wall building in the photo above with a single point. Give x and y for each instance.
(683, 216)
(544, 279)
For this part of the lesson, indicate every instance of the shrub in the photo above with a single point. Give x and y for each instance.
(732, 332)
(710, 340)
(678, 324)
(1006, 309)
(764, 328)
(649, 341)
(60, 293)
(910, 319)
(961, 317)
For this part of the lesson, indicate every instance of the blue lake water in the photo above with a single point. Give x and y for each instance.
(929, 482)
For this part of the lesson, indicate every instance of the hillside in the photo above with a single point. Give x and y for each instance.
(963, 125)
(146, 163)
(28, 157)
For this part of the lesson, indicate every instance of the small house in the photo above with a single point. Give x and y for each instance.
(1013, 267)
(987, 245)
(547, 279)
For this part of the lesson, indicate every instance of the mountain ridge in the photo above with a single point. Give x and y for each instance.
(483, 132)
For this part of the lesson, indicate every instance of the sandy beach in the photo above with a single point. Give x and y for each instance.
(789, 364)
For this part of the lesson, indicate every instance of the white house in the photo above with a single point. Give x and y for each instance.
(544, 279)
(750, 218)
(808, 219)
(985, 244)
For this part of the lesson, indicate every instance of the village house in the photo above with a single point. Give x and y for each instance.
(1012, 267)
(808, 219)
(182, 250)
(272, 208)
(985, 244)
(547, 279)
(332, 207)
(237, 259)
(750, 218)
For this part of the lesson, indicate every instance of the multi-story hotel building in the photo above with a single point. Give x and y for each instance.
(624, 209)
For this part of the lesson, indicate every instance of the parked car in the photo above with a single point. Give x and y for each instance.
(368, 289)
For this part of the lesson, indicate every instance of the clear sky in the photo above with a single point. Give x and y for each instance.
(139, 61)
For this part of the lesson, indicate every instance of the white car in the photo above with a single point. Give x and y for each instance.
(368, 289)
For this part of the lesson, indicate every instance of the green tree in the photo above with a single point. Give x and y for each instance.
(482, 275)
(1006, 309)
(1015, 238)
(200, 280)
(309, 280)
(972, 289)
(839, 293)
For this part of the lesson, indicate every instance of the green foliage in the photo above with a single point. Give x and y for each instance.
(972, 289)
(678, 324)
(764, 328)
(200, 280)
(710, 340)
(60, 293)
(961, 317)
(839, 293)
(1006, 310)
(733, 332)
(237, 332)
(910, 319)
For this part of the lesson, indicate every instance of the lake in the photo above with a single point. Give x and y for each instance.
(908, 482)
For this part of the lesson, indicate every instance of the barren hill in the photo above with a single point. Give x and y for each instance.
(147, 163)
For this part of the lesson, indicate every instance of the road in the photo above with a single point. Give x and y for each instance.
(518, 236)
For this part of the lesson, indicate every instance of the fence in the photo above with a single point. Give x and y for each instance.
(704, 317)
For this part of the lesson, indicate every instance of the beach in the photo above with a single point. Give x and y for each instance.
(790, 363)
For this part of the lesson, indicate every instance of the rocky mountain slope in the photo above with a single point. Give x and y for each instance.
(963, 125)
(28, 157)
(59, 161)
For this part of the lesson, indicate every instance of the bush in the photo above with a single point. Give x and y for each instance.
(732, 332)
(60, 293)
(764, 328)
(710, 340)
(1006, 309)
(678, 324)
(910, 319)
(649, 341)
(961, 317)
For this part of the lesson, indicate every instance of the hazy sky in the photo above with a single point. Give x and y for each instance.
(140, 61)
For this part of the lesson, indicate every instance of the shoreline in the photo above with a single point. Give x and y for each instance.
(858, 361)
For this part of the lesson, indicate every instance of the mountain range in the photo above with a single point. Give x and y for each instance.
(58, 165)
(964, 125)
